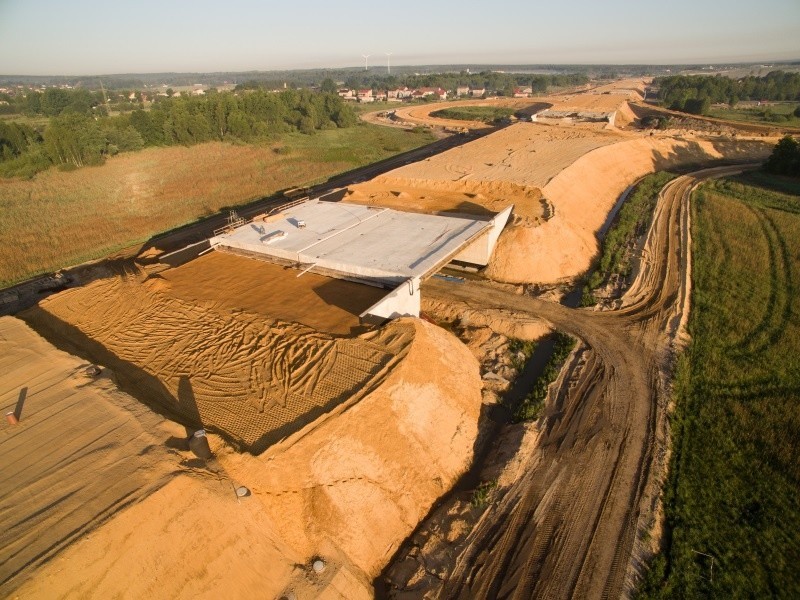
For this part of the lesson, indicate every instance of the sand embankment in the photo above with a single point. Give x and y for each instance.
(348, 491)
(81, 452)
(507, 167)
(583, 195)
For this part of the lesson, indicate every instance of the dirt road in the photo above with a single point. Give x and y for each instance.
(566, 528)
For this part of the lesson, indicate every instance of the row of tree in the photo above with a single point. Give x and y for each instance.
(696, 93)
(76, 139)
(503, 83)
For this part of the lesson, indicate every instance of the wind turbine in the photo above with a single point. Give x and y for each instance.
(366, 61)
(388, 64)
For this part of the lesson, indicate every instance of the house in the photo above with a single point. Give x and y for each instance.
(346, 94)
(365, 96)
(381, 96)
(398, 93)
(522, 92)
(462, 90)
(477, 92)
(427, 91)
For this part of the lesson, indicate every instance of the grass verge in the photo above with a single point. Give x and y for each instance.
(486, 114)
(733, 494)
(631, 222)
(531, 406)
(775, 114)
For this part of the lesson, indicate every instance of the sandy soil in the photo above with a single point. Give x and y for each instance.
(509, 166)
(81, 452)
(567, 525)
(563, 182)
(347, 489)
(253, 379)
(603, 99)
(235, 282)
(584, 193)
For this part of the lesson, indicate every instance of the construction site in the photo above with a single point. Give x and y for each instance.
(288, 407)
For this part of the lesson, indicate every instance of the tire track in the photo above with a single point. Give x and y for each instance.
(567, 527)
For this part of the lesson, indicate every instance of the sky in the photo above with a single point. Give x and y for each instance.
(92, 37)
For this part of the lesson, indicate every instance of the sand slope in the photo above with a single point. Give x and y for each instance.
(349, 491)
(81, 451)
(507, 167)
(584, 193)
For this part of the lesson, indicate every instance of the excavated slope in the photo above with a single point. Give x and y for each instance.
(583, 195)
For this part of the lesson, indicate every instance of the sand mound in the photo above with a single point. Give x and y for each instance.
(583, 195)
(252, 379)
(348, 491)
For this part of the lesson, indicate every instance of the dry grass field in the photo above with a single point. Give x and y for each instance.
(60, 218)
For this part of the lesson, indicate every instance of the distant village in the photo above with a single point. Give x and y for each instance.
(399, 94)
(402, 94)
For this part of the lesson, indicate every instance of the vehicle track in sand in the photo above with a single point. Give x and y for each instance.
(566, 528)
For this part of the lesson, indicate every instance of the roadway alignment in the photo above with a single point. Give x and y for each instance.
(566, 528)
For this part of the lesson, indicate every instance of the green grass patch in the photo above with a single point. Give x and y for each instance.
(482, 495)
(734, 486)
(355, 146)
(631, 222)
(521, 352)
(485, 114)
(775, 114)
(531, 406)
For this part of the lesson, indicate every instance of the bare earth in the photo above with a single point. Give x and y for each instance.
(566, 524)
(348, 489)
(563, 183)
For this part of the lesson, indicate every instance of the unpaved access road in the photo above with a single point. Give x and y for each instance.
(566, 528)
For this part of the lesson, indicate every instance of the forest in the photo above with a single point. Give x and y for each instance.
(78, 133)
(696, 93)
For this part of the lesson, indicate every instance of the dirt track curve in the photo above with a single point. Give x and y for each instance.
(566, 528)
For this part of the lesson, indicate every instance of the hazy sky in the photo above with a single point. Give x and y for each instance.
(84, 37)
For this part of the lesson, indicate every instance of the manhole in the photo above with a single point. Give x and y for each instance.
(318, 565)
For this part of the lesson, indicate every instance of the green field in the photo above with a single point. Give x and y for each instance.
(486, 114)
(58, 219)
(733, 496)
(775, 114)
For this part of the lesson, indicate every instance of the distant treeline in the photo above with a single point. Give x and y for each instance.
(696, 93)
(76, 136)
(313, 77)
(503, 83)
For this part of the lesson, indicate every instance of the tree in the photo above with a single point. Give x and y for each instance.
(54, 101)
(797, 112)
(74, 139)
(785, 158)
(328, 86)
